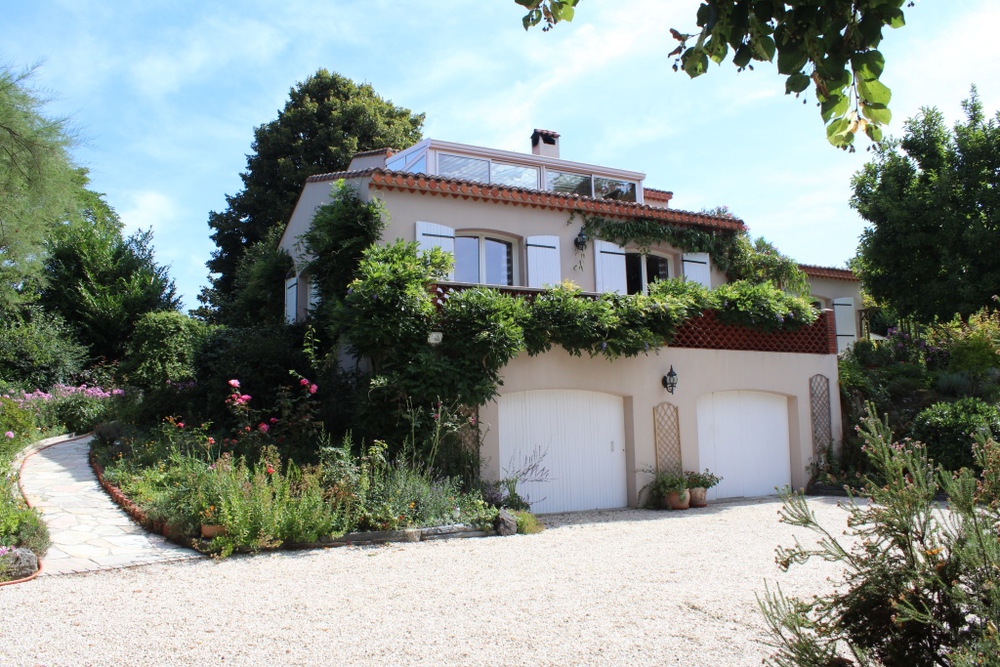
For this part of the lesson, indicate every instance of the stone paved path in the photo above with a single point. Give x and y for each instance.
(88, 530)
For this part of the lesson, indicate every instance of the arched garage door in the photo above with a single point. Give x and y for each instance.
(743, 436)
(583, 436)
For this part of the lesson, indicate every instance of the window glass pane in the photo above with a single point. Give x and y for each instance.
(515, 175)
(418, 166)
(633, 273)
(499, 263)
(467, 259)
(395, 164)
(562, 181)
(465, 168)
(657, 268)
(607, 188)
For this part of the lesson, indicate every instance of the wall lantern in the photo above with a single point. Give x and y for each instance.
(670, 380)
(435, 337)
(580, 241)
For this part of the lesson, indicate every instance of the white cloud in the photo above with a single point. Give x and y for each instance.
(148, 209)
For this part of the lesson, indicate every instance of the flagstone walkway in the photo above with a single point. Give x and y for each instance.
(87, 529)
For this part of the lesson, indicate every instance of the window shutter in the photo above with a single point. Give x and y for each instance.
(543, 261)
(609, 267)
(291, 299)
(698, 268)
(431, 235)
(843, 316)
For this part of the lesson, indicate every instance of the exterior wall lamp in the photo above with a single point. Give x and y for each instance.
(670, 380)
(581, 241)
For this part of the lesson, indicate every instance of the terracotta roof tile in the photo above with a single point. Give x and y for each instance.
(657, 195)
(387, 151)
(398, 180)
(337, 175)
(537, 198)
(828, 272)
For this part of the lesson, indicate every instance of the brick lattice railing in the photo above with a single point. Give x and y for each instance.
(707, 332)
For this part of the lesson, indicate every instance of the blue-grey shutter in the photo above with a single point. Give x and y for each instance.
(432, 235)
(698, 268)
(543, 261)
(609, 267)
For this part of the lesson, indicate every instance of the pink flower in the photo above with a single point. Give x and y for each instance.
(303, 382)
(234, 383)
(312, 389)
(263, 428)
(270, 469)
(180, 424)
(9, 434)
(274, 420)
(211, 441)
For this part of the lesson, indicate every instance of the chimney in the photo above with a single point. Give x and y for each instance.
(545, 142)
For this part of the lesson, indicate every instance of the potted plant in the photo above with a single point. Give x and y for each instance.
(698, 483)
(670, 487)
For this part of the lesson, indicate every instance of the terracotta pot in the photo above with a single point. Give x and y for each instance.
(678, 501)
(209, 531)
(698, 496)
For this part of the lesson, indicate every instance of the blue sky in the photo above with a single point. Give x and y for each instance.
(165, 96)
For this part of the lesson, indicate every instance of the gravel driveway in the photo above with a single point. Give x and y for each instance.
(631, 587)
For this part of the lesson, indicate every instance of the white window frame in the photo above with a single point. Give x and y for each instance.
(515, 253)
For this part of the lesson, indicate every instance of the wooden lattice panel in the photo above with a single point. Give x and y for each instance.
(668, 437)
(819, 404)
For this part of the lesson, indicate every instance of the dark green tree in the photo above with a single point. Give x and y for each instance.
(327, 119)
(932, 201)
(38, 184)
(828, 44)
(258, 296)
(101, 282)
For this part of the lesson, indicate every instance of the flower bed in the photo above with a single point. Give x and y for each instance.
(178, 478)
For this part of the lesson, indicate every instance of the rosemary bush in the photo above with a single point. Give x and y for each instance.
(921, 585)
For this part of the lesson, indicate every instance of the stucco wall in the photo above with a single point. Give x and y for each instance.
(700, 372)
(515, 222)
(828, 289)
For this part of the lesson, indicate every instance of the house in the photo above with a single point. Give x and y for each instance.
(756, 409)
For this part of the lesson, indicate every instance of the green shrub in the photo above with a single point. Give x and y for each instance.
(20, 525)
(162, 349)
(528, 523)
(19, 422)
(761, 306)
(975, 354)
(947, 429)
(954, 384)
(38, 351)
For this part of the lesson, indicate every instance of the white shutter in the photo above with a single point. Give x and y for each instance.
(431, 235)
(609, 267)
(291, 299)
(543, 261)
(843, 316)
(698, 268)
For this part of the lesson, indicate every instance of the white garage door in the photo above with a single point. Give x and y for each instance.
(743, 436)
(583, 436)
